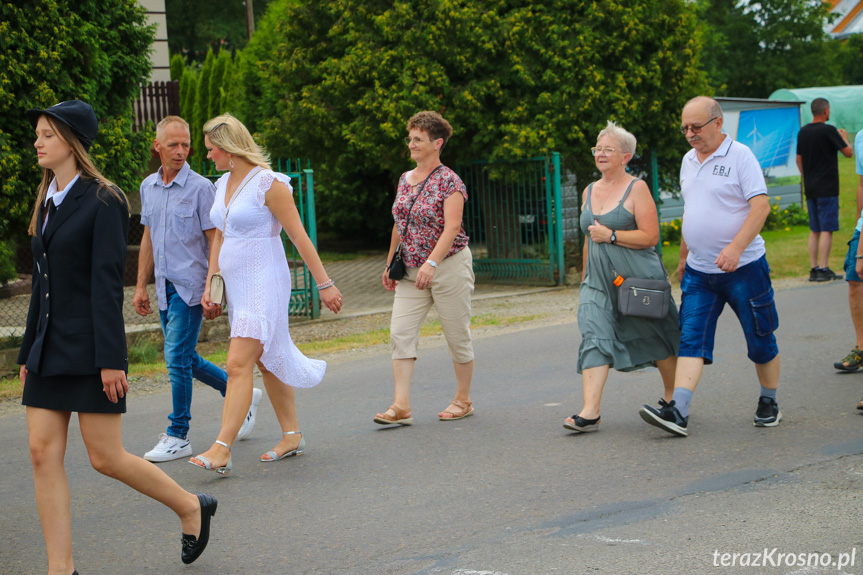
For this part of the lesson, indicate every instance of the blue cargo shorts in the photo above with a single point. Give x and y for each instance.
(749, 293)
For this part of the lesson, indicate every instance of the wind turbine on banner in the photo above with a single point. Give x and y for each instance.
(755, 134)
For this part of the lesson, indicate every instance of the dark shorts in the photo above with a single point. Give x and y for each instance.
(749, 293)
(823, 214)
(851, 259)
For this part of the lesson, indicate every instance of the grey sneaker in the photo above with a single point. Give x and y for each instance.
(168, 449)
(667, 417)
(767, 414)
(249, 422)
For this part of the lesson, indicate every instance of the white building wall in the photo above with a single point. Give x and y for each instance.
(160, 57)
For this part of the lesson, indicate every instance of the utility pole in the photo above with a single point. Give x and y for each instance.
(250, 18)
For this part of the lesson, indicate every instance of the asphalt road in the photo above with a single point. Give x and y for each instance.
(508, 491)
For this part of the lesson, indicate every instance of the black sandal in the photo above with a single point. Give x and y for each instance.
(582, 425)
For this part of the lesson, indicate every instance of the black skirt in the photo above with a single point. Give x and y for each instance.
(81, 393)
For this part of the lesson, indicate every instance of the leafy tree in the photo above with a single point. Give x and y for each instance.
(201, 112)
(178, 64)
(753, 48)
(228, 80)
(245, 96)
(217, 77)
(852, 62)
(188, 91)
(339, 79)
(55, 50)
(196, 26)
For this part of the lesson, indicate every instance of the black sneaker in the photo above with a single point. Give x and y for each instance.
(826, 275)
(767, 414)
(813, 274)
(667, 417)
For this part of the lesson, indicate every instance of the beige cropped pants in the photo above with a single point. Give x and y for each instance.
(450, 292)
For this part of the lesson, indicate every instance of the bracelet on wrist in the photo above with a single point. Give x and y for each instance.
(326, 284)
(859, 257)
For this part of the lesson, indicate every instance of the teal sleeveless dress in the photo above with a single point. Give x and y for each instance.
(608, 338)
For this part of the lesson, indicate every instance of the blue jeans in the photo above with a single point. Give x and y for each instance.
(749, 293)
(181, 325)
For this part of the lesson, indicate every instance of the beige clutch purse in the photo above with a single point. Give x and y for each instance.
(217, 290)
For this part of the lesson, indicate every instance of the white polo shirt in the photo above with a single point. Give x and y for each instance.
(716, 198)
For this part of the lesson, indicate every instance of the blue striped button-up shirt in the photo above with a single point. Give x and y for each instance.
(178, 215)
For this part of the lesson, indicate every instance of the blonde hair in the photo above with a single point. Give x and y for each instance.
(85, 167)
(229, 134)
(626, 140)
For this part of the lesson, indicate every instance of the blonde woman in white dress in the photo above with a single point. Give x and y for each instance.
(252, 206)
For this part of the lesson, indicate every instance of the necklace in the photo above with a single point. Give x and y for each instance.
(603, 201)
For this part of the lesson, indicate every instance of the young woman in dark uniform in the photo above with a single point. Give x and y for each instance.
(73, 357)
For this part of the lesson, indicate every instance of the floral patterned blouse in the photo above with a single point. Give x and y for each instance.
(426, 217)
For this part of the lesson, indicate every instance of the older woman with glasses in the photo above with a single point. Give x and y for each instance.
(619, 213)
(439, 268)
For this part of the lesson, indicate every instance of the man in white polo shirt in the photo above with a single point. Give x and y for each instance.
(722, 260)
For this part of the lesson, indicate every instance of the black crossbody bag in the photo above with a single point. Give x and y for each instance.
(397, 268)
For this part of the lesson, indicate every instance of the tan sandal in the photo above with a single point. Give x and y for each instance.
(399, 417)
(465, 407)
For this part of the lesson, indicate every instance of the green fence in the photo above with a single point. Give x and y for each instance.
(514, 221)
(305, 300)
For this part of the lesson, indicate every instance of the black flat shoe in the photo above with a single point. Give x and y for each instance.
(194, 546)
(581, 424)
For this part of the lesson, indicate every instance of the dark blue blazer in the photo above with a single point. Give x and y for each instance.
(75, 322)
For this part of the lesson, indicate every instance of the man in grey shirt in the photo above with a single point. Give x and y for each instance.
(178, 235)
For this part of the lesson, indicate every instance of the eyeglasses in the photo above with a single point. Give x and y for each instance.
(409, 140)
(602, 151)
(696, 128)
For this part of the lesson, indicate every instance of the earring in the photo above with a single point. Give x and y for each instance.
(232, 163)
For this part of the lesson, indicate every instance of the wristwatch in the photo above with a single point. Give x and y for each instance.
(613, 238)
(432, 263)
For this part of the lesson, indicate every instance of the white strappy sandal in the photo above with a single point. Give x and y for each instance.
(301, 448)
(208, 465)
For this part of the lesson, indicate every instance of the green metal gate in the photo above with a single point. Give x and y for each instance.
(305, 301)
(514, 220)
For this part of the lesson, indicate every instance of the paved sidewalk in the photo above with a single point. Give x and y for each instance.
(359, 281)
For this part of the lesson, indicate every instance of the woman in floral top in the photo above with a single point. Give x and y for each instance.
(428, 229)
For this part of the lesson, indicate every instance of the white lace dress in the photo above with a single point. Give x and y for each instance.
(257, 279)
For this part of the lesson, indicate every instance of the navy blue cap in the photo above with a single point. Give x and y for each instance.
(78, 115)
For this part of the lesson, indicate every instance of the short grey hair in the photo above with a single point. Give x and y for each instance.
(626, 140)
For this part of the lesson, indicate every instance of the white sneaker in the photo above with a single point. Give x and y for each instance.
(169, 448)
(249, 423)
